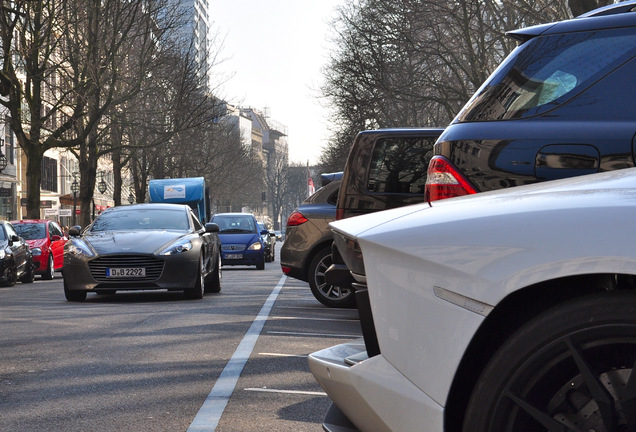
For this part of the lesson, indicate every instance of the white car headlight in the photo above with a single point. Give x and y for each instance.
(78, 247)
(177, 247)
(2, 254)
(255, 246)
(36, 251)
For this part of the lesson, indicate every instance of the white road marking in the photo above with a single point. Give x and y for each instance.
(315, 334)
(266, 390)
(313, 319)
(283, 355)
(207, 419)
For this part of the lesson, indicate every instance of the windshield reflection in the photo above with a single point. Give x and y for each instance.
(135, 220)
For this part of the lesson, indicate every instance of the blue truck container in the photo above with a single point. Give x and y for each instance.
(191, 191)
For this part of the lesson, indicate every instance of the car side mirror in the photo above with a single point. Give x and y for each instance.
(211, 227)
(14, 238)
(264, 232)
(74, 231)
(55, 238)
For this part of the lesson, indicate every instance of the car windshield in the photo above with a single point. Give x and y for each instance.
(142, 219)
(234, 224)
(548, 71)
(31, 231)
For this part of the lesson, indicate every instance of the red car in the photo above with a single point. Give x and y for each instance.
(46, 240)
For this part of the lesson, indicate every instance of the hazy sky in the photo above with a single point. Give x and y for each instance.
(276, 49)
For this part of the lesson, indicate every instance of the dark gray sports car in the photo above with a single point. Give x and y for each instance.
(143, 247)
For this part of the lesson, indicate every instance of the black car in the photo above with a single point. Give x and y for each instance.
(143, 247)
(560, 105)
(306, 252)
(16, 259)
(269, 240)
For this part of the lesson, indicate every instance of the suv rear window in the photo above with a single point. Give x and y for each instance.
(399, 165)
(548, 71)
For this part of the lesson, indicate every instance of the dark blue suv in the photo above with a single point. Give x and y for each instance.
(241, 242)
(560, 105)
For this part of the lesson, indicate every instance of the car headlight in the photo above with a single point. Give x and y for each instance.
(2, 254)
(36, 251)
(79, 247)
(178, 247)
(255, 246)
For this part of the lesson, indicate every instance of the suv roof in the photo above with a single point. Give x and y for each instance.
(612, 16)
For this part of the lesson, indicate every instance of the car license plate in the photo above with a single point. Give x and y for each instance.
(126, 272)
(234, 256)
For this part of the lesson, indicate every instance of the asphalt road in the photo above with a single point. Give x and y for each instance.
(152, 361)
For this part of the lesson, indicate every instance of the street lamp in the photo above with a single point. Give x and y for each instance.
(75, 190)
(131, 198)
(101, 186)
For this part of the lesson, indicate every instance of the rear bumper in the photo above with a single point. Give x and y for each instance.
(371, 394)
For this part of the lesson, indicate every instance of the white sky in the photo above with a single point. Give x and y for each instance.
(276, 49)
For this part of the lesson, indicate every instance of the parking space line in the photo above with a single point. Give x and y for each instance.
(283, 355)
(315, 308)
(207, 419)
(313, 319)
(315, 334)
(266, 390)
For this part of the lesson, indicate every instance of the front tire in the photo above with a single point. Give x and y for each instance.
(328, 295)
(29, 273)
(196, 292)
(74, 296)
(50, 269)
(213, 284)
(11, 275)
(573, 368)
(261, 264)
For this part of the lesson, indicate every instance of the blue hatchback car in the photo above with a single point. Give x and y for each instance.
(241, 242)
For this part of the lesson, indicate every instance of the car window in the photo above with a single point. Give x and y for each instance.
(195, 222)
(54, 229)
(235, 224)
(10, 230)
(142, 219)
(31, 231)
(548, 71)
(333, 198)
(399, 165)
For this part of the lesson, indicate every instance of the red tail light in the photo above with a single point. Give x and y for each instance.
(296, 219)
(445, 181)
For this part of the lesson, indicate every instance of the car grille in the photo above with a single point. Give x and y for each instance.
(153, 267)
(233, 247)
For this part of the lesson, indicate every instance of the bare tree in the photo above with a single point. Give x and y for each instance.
(71, 61)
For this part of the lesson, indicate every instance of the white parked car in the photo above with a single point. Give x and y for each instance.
(505, 311)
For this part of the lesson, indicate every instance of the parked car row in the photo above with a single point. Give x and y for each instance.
(507, 310)
(30, 247)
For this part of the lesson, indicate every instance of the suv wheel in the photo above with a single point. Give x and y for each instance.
(329, 295)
